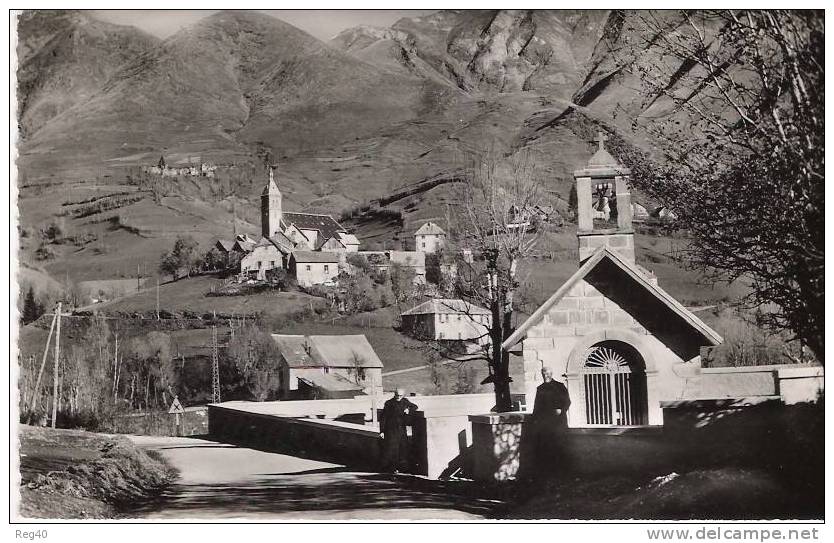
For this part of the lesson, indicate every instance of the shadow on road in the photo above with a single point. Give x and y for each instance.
(329, 489)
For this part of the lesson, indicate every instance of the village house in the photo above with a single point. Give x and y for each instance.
(327, 367)
(313, 267)
(268, 254)
(429, 238)
(448, 319)
(621, 342)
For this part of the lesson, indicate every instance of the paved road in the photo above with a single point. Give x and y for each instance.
(221, 481)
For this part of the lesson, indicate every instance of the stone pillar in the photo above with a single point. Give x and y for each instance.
(624, 212)
(584, 204)
(496, 445)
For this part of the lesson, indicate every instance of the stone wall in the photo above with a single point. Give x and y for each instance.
(194, 422)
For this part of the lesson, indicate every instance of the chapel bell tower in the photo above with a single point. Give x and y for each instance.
(603, 204)
(271, 212)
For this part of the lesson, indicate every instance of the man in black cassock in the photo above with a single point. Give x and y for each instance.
(550, 422)
(396, 414)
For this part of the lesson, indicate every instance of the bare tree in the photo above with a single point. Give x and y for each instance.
(734, 100)
(489, 205)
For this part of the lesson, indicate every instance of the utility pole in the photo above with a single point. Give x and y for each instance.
(215, 367)
(55, 367)
(34, 399)
(157, 298)
(138, 282)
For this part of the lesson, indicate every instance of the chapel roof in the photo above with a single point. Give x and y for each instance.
(629, 273)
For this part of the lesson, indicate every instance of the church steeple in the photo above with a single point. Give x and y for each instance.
(271, 212)
(603, 204)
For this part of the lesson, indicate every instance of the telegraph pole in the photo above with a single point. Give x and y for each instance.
(215, 367)
(55, 366)
(34, 400)
(157, 298)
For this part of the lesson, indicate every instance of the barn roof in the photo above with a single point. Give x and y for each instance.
(340, 351)
(325, 224)
(323, 257)
(629, 272)
(446, 306)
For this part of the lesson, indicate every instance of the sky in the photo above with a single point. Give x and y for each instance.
(323, 24)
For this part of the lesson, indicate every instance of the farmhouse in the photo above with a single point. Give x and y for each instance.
(448, 319)
(381, 261)
(622, 343)
(313, 267)
(429, 238)
(326, 367)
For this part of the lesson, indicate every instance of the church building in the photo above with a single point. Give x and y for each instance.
(622, 343)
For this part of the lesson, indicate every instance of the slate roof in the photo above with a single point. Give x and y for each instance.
(342, 351)
(639, 279)
(347, 239)
(324, 257)
(447, 306)
(428, 229)
(325, 224)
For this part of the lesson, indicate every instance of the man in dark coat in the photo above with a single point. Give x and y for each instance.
(396, 414)
(550, 422)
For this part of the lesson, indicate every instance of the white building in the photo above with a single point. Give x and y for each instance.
(429, 238)
(448, 319)
(313, 267)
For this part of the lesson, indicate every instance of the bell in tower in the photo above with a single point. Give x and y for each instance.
(603, 204)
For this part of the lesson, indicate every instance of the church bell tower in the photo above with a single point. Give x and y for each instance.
(271, 212)
(603, 203)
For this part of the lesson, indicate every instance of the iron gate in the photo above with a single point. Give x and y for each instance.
(615, 390)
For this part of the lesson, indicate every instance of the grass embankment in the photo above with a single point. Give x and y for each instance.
(76, 474)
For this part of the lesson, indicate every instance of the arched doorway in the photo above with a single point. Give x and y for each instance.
(614, 385)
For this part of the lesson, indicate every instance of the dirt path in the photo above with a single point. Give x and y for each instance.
(218, 480)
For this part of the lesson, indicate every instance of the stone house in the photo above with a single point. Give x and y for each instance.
(313, 267)
(429, 238)
(448, 319)
(327, 367)
(622, 344)
(268, 254)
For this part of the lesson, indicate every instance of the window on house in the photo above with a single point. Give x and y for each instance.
(271, 263)
(440, 335)
(459, 317)
(308, 267)
(424, 245)
(259, 264)
(326, 268)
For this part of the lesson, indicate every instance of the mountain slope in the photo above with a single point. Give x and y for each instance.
(65, 58)
(232, 80)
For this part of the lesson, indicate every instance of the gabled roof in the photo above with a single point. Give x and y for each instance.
(447, 306)
(282, 242)
(347, 239)
(346, 351)
(243, 246)
(316, 257)
(429, 229)
(343, 351)
(640, 279)
(325, 224)
(225, 245)
(323, 242)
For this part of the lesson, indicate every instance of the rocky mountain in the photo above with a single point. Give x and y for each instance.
(374, 114)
